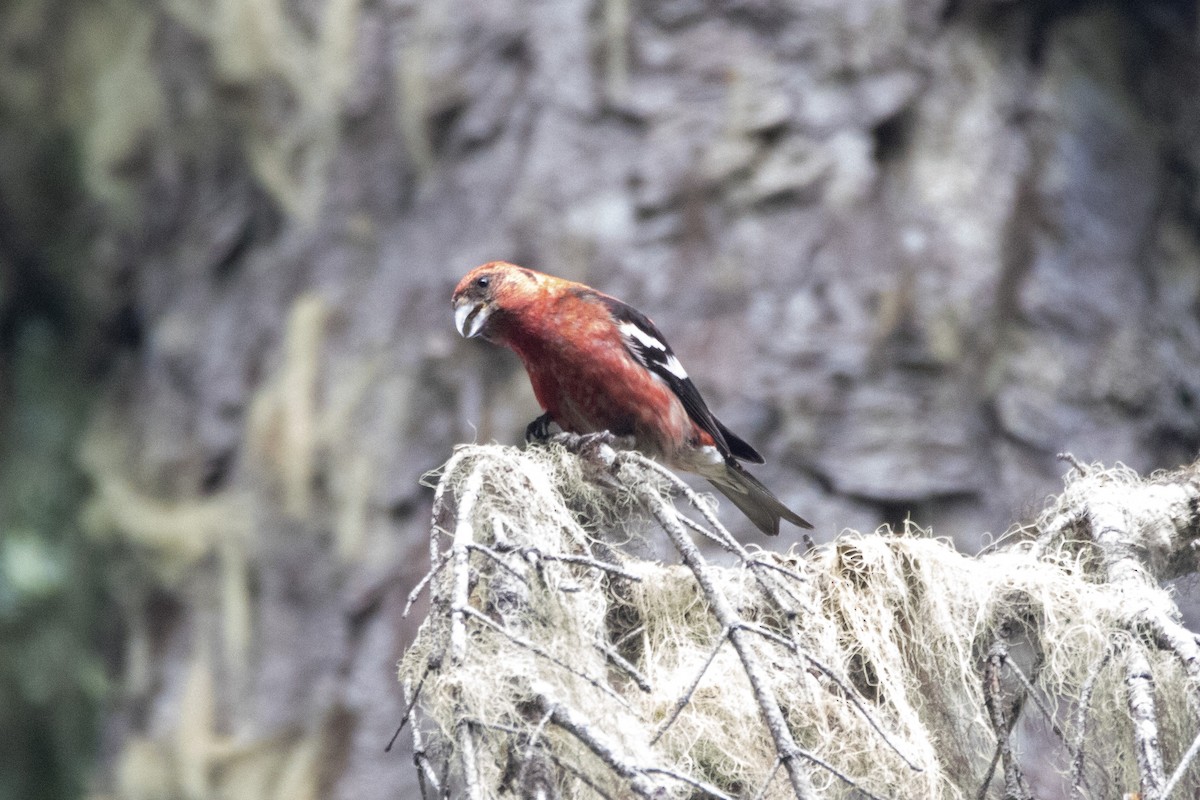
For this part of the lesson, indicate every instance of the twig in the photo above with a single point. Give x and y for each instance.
(439, 501)
(853, 697)
(686, 697)
(529, 747)
(708, 789)
(610, 652)
(563, 717)
(476, 614)
(603, 566)
(470, 764)
(762, 790)
(421, 584)
(511, 730)
(722, 536)
(1139, 689)
(1032, 693)
(420, 761)
(761, 560)
(987, 776)
(464, 534)
(1110, 526)
(1184, 763)
(790, 644)
(580, 774)
(825, 765)
(703, 531)
(1070, 458)
(499, 559)
(1002, 723)
(408, 708)
(736, 547)
(1170, 635)
(718, 531)
(1081, 714)
(768, 704)
(637, 630)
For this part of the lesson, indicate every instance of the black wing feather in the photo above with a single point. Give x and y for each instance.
(663, 363)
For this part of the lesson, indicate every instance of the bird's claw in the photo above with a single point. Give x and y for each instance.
(581, 443)
(598, 450)
(539, 429)
(601, 446)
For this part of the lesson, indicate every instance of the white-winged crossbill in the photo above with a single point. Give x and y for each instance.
(597, 364)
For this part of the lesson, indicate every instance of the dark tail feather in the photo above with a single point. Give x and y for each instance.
(755, 500)
(738, 446)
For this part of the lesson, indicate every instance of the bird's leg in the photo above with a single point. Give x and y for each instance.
(597, 451)
(581, 442)
(578, 442)
(539, 429)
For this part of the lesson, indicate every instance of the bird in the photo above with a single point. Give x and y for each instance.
(597, 364)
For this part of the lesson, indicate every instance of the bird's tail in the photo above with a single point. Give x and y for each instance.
(755, 500)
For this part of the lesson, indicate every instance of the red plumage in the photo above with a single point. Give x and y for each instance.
(597, 364)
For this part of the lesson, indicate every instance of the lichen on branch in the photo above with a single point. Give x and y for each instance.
(881, 665)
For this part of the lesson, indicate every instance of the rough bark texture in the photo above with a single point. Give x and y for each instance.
(910, 249)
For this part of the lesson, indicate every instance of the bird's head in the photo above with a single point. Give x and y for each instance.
(495, 286)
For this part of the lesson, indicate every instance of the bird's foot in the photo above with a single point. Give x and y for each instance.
(597, 451)
(539, 429)
(579, 442)
(602, 444)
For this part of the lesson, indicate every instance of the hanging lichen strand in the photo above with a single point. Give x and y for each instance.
(887, 664)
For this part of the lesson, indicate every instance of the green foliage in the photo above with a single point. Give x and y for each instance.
(51, 675)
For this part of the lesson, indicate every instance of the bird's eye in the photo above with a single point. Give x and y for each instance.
(482, 281)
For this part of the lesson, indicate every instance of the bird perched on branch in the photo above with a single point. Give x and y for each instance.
(597, 364)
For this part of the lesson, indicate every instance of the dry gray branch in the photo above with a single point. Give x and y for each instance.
(1003, 711)
(565, 658)
(1082, 707)
(1139, 683)
(1184, 764)
(731, 621)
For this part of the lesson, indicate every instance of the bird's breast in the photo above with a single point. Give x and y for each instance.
(595, 385)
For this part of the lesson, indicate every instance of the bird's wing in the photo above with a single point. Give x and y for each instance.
(649, 348)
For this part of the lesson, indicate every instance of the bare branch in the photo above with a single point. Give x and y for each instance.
(1139, 685)
(762, 791)
(1082, 707)
(603, 566)
(464, 536)
(1181, 769)
(408, 708)
(425, 773)
(629, 669)
(1003, 717)
(841, 776)
(470, 762)
(686, 697)
(499, 560)
(853, 697)
(562, 717)
(891, 613)
(1033, 694)
(1074, 462)
(519, 641)
(708, 789)
(442, 561)
(728, 618)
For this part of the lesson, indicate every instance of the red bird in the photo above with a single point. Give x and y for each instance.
(597, 364)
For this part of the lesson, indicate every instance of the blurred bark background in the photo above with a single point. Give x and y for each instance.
(911, 249)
